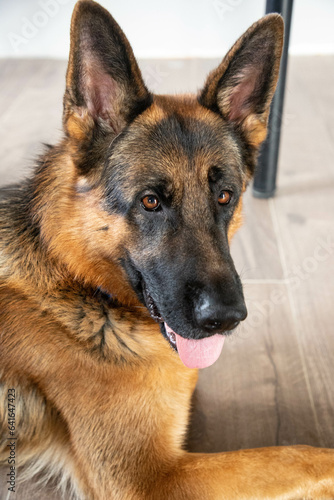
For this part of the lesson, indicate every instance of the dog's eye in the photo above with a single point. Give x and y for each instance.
(150, 202)
(224, 198)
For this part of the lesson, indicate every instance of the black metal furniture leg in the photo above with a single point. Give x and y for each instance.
(264, 185)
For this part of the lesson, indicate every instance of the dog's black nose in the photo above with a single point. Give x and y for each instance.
(214, 314)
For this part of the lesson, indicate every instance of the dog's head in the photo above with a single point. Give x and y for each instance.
(159, 179)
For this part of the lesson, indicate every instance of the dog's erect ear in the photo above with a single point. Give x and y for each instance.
(103, 82)
(242, 86)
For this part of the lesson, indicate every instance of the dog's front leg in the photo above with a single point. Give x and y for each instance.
(265, 473)
(298, 472)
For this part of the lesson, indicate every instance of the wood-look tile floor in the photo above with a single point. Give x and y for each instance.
(274, 383)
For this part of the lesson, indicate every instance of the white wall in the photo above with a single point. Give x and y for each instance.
(161, 28)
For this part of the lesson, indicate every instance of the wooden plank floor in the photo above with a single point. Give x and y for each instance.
(274, 381)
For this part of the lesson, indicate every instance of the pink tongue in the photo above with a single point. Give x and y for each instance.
(198, 353)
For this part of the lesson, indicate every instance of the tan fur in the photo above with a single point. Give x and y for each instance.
(236, 222)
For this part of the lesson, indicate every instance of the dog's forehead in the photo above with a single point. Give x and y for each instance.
(179, 128)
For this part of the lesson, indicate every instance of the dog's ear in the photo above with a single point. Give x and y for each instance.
(242, 87)
(103, 82)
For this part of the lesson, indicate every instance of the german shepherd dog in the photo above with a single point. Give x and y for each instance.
(117, 281)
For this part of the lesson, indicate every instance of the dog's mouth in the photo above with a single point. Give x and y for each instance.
(194, 353)
(151, 305)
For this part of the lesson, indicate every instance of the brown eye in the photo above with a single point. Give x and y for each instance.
(150, 202)
(224, 198)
